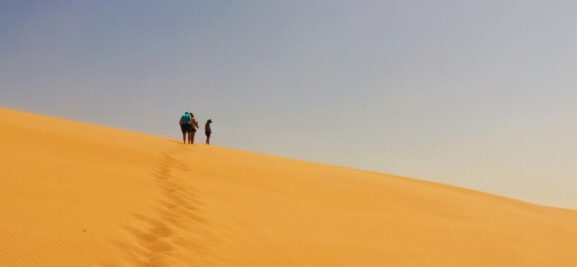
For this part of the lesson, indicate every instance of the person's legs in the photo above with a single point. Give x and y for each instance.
(183, 133)
(208, 139)
(192, 137)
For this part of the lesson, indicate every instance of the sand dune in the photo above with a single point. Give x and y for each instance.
(73, 194)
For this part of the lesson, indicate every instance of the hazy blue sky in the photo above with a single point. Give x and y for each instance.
(480, 94)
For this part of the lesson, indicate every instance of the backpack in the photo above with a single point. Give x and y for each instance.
(185, 119)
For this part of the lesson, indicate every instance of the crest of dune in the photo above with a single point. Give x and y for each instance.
(75, 194)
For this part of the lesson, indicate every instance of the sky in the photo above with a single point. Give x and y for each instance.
(479, 94)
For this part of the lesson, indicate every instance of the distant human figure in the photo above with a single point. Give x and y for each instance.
(185, 125)
(207, 131)
(194, 126)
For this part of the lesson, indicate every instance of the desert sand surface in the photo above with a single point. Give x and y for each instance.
(75, 194)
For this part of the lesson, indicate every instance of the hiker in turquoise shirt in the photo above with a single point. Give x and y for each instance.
(185, 126)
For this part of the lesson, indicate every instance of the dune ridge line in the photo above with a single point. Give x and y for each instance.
(75, 194)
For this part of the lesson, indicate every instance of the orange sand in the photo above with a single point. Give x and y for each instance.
(73, 194)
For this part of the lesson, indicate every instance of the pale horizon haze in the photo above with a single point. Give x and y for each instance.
(477, 94)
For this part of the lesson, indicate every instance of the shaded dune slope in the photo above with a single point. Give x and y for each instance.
(73, 194)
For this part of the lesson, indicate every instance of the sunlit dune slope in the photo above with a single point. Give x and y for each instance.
(73, 194)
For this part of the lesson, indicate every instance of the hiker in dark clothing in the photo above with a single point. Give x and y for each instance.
(207, 131)
(194, 126)
(185, 126)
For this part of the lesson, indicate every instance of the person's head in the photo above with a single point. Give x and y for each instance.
(209, 121)
(185, 113)
(192, 115)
